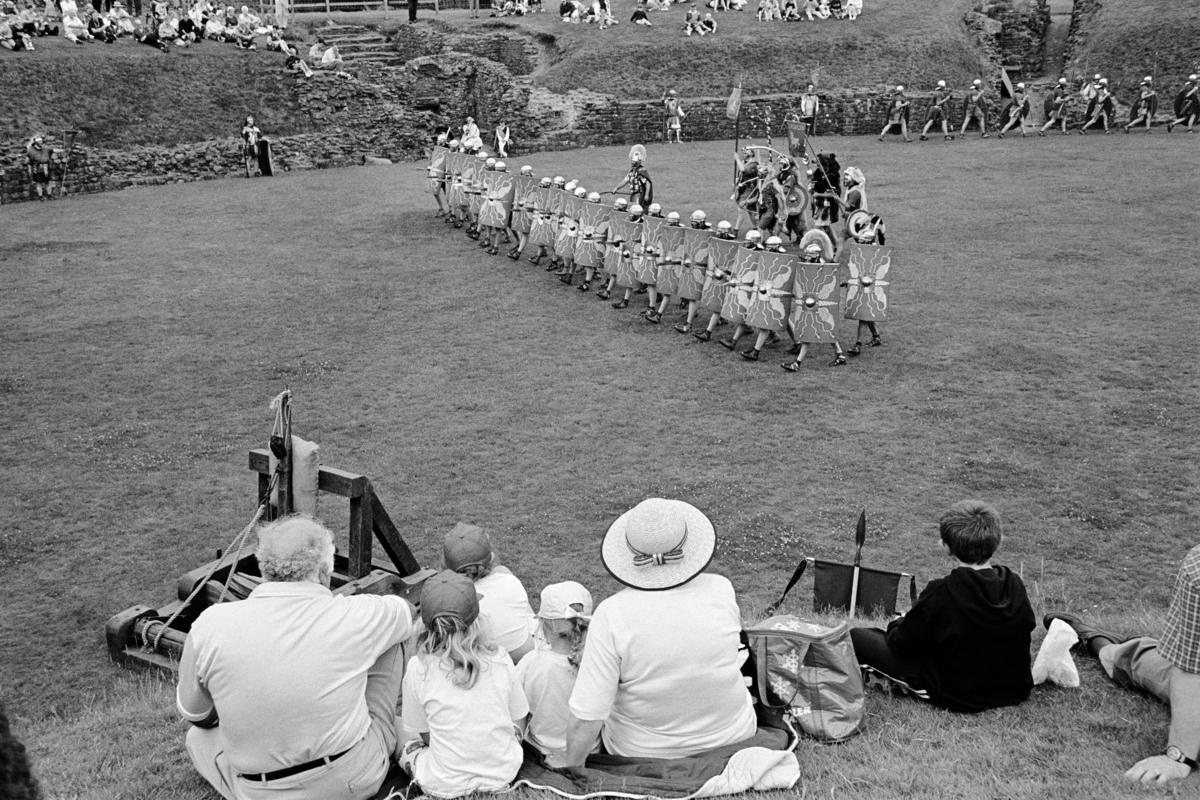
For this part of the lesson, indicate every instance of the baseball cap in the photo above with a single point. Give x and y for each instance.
(566, 600)
(465, 546)
(449, 594)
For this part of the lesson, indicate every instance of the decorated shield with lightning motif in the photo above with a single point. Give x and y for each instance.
(695, 262)
(646, 267)
(870, 269)
(631, 250)
(618, 233)
(522, 219)
(437, 168)
(745, 273)
(498, 202)
(591, 215)
(670, 259)
(558, 200)
(721, 256)
(816, 304)
(541, 228)
(771, 292)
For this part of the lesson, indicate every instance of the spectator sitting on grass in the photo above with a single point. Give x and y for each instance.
(691, 21)
(606, 20)
(964, 645)
(122, 22)
(708, 24)
(74, 28)
(791, 11)
(1168, 669)
(10, 40)
(853, 8)
(101, 29)
(640, 17)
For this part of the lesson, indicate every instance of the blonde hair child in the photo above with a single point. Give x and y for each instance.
(462, 707)
(548, 674)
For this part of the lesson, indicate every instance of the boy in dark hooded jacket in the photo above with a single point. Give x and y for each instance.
(964, 644)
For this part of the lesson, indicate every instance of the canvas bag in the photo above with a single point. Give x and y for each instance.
(808, 675)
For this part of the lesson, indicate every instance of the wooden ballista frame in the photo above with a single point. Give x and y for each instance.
(140, 635)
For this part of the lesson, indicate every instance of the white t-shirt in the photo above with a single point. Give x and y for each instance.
(504, 608)
(287, 669)
(473, 744)
(547, 678)
(663, 671)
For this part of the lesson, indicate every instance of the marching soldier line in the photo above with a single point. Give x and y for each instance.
(754, 282)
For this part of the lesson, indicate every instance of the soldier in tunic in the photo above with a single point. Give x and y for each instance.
(815, 249)
(1056, 107)
(938, 113)
(589, 247)
(541, 230)
(975, 108)
(522, 216)
(810, 106)
(897, 114)
(1018, 111)
(636, 213)
(753, 241)
(675, 114)
(773, 245)
(613, 243)
(1100, 108)
(641, 188)
(1145, 105)
(723, 231)
(37, 166)
(1187, 105)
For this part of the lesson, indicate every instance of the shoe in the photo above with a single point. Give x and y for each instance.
(1082, 132)
(908, 140)
(514, 256)
(535, 260)
(640, 291)
(949, 138)
(1087, 634)
(586, 286)
(1041, 133)
(703, 336)
(794, 350)
(856, 350)
(875, 342)
(653, 317)
(728, 344)
(683, 327)
(924, 138)
(791, 366)
(881, 138)
(603, 294)
(1107, 131)
(1125, 129)
(567, 278)
(1170, 126)
(622, 303)
(986, 136)
(492, 251)
(999, 135)
(483, 243)
(839, 361)
(750, 355)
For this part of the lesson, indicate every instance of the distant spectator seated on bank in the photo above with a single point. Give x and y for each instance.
(73, 27)
(691, 21)
(708, 25)
(640, 17)
(791, 11)
(768, 11)
(101, 29)
(121, 20)
(11, 38)
(964, 645)
(661, 670)
(853, 8)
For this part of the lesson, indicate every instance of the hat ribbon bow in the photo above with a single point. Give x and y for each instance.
(641, 559)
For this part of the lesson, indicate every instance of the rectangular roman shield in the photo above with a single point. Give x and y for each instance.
(629, 234)
(695, 262)
(646, 267)
(721, 255)
(737, 298)
(670, 259)
(541, 223)
(770, 291)
(588, 249)
(558, 200)
(498, 206)
(437, 162)
(573, 206)
(816, 304)
(869, 267)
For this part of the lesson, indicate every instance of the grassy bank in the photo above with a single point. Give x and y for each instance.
(1127, 41)
(128, 93)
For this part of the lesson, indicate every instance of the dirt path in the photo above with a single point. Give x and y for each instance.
(1056, 37)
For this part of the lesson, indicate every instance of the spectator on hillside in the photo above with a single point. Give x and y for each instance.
(640, 17)
(11, 40)
(101, 29)
(708, 24)
(691, 21)
(853, 8)
(121, 20)
(791, 11)
(74, 28)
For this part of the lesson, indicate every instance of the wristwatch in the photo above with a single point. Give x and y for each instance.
(1175, 754)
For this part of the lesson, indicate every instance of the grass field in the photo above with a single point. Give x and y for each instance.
(1039, 357)
(1128, 41)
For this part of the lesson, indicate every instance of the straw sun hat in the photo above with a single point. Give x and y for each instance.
(658, 544)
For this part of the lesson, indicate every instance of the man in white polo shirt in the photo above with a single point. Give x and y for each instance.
(661, 672)
(292, 692)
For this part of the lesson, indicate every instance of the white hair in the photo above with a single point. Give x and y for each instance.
(294, 548)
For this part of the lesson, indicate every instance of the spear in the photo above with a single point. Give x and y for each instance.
(860, 536)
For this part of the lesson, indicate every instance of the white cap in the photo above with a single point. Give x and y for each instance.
(1096, 77)
(655, 208)
(977, 82)
(698, 215)
(1020, 86)
(482, 156)
(566, 600)
(558, 179)
(545, 181)
(673, 216)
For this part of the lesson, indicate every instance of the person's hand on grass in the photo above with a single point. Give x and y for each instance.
(1157, 770)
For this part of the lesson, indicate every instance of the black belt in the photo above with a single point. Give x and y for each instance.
(263, 777)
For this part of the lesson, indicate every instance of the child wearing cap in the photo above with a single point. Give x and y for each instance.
(548, 674)
(462, 707)
(504, 606)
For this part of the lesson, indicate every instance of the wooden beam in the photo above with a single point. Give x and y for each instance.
(329, 479)
(361, 538)
(390, 539)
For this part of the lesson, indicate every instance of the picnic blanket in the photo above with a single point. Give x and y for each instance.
(764, 761)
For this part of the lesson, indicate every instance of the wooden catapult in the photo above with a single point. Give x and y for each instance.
(141, 636)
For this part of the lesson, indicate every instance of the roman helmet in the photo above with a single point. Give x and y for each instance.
(500, 166)
(593, 197)
(698, 215)
(724, 227)
(620, 204)
(673, 218)
(526, 170)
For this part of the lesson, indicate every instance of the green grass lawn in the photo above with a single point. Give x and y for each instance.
(1038, 357)
(1160, 38)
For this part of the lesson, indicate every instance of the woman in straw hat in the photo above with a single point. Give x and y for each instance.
(655, 647)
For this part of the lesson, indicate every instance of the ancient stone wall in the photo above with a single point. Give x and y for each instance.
(1012, 32)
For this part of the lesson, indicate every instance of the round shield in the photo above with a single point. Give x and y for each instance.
(637, 153)
(795, 200)
(1182, 102)
(857, 222)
